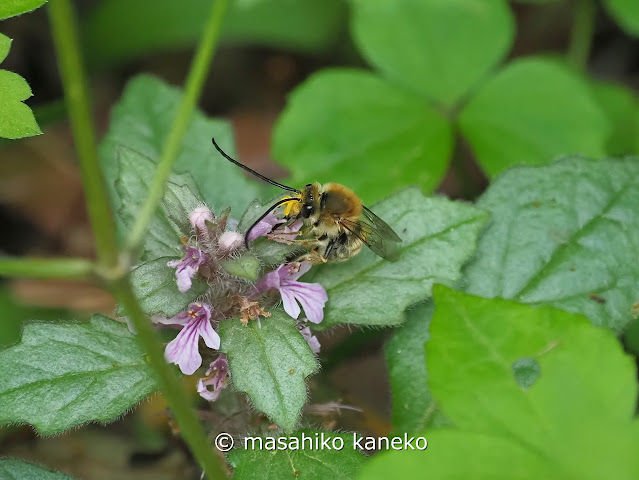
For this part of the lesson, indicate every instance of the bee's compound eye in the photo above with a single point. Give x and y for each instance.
(307, 210)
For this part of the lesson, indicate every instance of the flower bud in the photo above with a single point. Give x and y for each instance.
(229, 241)
(199, 217)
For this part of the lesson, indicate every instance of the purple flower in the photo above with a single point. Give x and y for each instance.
(183, 350)
(265, 226)
(217, 376)
(311, 339)
(187, 267)
(311, 296)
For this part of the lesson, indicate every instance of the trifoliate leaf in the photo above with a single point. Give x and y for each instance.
(155, 286)
(438, 237)
(531, 112)
(504, 430)
(438, 48)
(142, 120)
(16, 119)
(11, 8)
(355, 128)
(254, 463)
(626, 13)
(65, 374)
(14, 469)
(413, 406)
(564, 235)
(270, 363)
(171, 221)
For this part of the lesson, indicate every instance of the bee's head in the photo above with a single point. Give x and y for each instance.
(310, 200)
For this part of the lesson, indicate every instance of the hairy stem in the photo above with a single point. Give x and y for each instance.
(68, 268)
(582, 32)
(194, 83)
(170, 385)
(65, 38)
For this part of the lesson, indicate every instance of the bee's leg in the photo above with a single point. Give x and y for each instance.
(314, 257)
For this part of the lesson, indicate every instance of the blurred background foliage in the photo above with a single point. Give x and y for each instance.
(374, 94)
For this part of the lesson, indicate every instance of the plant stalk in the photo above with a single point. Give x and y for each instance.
(170, 385)
(582, 33)
(194, 84)
(65, 38)
(67, 268)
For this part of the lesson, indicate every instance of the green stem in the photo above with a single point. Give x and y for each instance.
(170, 385)
(67, 44)
(582, 31)
(68, 268)
(194, 83)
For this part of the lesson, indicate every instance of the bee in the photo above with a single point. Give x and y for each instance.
(336, 222)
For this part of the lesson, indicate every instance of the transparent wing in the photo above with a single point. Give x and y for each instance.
(373, 232)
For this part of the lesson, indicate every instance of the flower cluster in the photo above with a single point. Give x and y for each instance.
(229, 296)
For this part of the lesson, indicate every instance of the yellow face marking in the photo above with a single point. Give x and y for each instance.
(291, 207)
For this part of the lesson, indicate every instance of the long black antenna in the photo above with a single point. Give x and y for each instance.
(258, 175)
(273, 207)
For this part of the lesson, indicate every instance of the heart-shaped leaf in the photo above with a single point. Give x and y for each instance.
(62, 375)
(565, 235)
(270, 363)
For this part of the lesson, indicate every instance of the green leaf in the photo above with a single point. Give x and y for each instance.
(563, 235)
(245, 266)
(16, 119)
(413, 406)
(438, 235)
(626, 13)
(262, 464)
(14, 469)
(622, 110)
(273, 253)
(65, 374)
(141, 121)
(412, 42)
(155, 286)
(270, 363)
(13, 314)
(531, 112)
(505, 431)
(303, 25)
(171, 221)
(11, 8)
(352, 127)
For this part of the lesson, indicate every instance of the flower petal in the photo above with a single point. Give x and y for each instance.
(210, 336)
(184, 276)
(311, 339)
(268, 281)
(290, 305)
(183, 349)
(311, 296)
(293, 271)
(264, 226)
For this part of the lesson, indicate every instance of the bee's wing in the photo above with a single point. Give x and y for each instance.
(373, 232)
